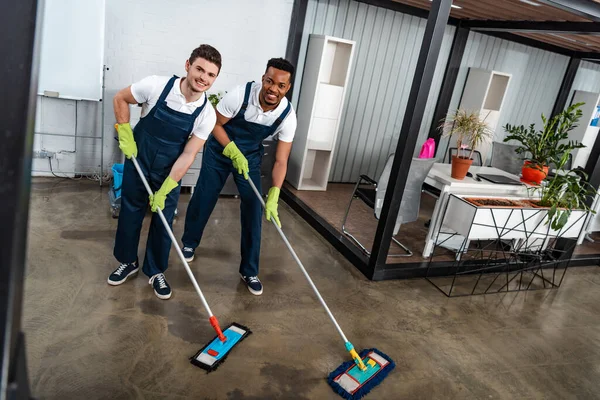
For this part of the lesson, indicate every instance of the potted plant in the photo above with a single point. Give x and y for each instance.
(566, 191)
(470, 131)
(541, 148)
(214, 98)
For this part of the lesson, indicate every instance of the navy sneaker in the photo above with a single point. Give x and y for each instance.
(253, 283)
(188, 254)
(162, 290)
(124, 271)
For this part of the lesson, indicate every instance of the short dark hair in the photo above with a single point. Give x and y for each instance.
(282, 64)
(207, 52)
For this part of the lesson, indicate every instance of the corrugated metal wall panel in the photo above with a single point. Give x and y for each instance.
(535, 82)
(387, 47)
(587, 78)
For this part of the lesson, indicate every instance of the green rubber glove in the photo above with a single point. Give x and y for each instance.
(157, 200)
(239, 161)
(271, 205)
(126, 140)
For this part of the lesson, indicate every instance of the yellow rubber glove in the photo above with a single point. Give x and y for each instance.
(126, 140)
(239, 161)
(271, 205)
(157, 200)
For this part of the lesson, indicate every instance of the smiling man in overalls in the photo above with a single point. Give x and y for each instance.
(245, 117)
(172, 110)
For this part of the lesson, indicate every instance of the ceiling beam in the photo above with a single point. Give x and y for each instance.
(583, 8)
(531, 42)
(576, 28)
(404, 8)
(589, 56)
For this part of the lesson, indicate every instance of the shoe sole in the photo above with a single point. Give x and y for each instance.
(117, 283)
(163, 296)
(254, 292)
(189, 259)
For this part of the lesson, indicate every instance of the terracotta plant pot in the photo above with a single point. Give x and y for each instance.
(533, 174)
(460, 167)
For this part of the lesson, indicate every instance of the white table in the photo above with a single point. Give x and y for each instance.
(439, 177)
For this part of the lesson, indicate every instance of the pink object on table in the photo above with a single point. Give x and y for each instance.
(428, 149)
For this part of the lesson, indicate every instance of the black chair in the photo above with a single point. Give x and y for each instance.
(477, 159)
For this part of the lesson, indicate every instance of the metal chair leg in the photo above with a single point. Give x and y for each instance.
(409, 253)
(344, 231)
(406, 249)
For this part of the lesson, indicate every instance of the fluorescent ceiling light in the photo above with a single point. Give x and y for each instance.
(453, 6)
(531, 3)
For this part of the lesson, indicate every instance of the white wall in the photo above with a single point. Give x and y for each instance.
(155, 37)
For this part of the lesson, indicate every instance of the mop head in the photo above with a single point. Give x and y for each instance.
(351, 383)
(213, 354)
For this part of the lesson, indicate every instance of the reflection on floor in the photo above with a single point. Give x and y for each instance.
(88, 340)
(332, 204)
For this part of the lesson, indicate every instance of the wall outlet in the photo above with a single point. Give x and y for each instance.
(43, 154)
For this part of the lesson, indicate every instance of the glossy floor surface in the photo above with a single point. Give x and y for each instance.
(88, 340)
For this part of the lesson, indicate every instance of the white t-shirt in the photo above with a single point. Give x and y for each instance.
(231, 103)
(148, 90)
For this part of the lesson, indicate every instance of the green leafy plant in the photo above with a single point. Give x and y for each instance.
(470, 131)
(563, 193)
(567, 190)
(547, 146)
(214, 98)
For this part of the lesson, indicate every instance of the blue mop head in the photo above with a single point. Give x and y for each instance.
(214, 353)
(351, 383)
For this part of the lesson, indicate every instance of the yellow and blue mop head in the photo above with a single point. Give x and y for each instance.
(352, 383)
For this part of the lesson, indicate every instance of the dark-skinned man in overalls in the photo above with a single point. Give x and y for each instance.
(177, 118)
(245, 117)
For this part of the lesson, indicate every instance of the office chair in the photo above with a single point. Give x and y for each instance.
(374, 195)
(505, 158)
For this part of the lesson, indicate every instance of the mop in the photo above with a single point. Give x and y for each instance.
(353, 379)
(214, 353)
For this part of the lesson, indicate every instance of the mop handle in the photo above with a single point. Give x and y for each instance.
(300, 265)
(170, 232)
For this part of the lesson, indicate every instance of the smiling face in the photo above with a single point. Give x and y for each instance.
(275, 85)
(201, 74)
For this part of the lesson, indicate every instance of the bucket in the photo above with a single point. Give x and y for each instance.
(117, 170)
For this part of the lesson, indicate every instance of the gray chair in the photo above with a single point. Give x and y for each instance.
(505, 158)
(374, 196)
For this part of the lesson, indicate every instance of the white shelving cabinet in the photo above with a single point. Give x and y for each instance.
(584, 132)
(322, 93)
(485, 92)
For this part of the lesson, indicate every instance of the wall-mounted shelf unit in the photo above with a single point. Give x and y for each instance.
(485, 91)
(322, 94)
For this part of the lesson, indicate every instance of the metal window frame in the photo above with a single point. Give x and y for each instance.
(20, 25)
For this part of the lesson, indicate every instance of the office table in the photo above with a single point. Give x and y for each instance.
(439, 177)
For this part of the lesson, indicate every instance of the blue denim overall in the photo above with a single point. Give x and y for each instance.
(161, 137)
(248, 137)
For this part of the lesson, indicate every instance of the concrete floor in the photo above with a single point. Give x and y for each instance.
(88, 340)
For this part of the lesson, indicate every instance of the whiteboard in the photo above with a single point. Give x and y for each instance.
(72, 49)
